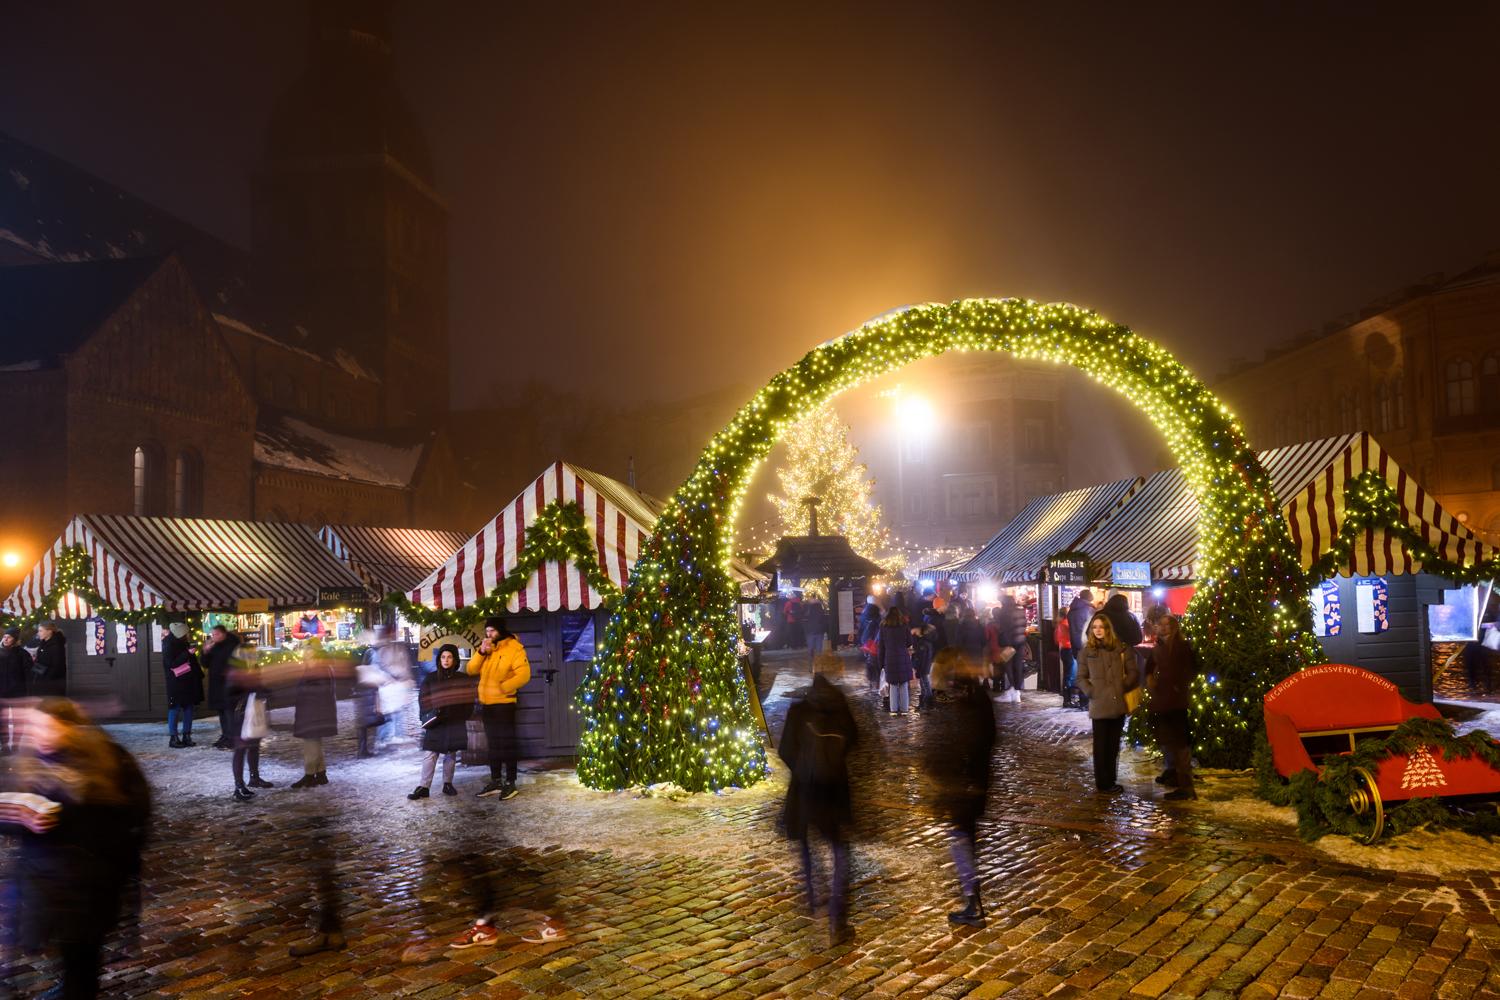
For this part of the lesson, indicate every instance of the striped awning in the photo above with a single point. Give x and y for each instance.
(1315, 514)
(187, 564)
(1159, 524)
(619, 520)
(1046, 526)
(390, 559)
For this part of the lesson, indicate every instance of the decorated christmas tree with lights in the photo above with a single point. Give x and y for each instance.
(822, 463)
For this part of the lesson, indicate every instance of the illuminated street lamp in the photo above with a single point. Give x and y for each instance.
(11, 560)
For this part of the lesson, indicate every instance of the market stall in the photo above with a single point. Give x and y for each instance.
(391, 560)
(549, 561)
(1375, 600)
(111, 580)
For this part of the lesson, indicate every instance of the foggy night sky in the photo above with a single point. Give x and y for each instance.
(689, 197)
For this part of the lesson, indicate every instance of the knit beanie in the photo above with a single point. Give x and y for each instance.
(179, 629)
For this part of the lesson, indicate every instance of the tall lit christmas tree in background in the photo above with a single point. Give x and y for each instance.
(822, 463)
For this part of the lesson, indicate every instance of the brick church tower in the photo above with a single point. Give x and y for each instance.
(346, 213)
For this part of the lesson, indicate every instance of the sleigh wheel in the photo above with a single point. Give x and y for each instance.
(1365, 800)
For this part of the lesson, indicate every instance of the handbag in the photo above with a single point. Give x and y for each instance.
(1133, 700)
(181, 669)
(257, 724)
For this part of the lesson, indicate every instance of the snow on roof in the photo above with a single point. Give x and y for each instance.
(296, 445)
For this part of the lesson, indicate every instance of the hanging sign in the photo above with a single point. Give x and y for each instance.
(252, 605)
(435, 637)
(1130, 574)
(338, 597)
(1068, 568)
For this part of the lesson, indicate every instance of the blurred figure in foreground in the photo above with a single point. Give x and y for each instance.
(249, 723)
(959, 768)
(815, 744)
(81, 809)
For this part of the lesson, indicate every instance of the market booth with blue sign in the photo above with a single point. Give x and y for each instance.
(1376, 608)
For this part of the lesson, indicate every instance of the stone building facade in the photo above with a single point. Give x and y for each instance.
(1419, 370)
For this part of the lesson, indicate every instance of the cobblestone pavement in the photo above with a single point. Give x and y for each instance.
(1088, 896)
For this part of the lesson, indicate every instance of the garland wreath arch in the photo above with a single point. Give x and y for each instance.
(664, 700)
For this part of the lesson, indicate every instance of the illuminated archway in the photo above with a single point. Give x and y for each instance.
(664, 700)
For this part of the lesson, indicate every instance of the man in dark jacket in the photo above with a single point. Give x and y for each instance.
(815, 744)
(15, 673)
(959, 768)
(49, 672)
(1127, 629)
(218, 653)
(869, 632)
(1079, 612)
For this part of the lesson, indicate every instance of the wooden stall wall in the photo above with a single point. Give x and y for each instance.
(1400, 653)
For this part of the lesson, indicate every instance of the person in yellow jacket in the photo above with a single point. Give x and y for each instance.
(501, 665)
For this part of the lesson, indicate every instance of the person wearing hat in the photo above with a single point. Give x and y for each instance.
(49, 671)
(15, 670)
(184, 683)
(502, 668)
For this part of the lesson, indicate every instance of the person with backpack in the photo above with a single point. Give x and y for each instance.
(958, 768)
(815, 745)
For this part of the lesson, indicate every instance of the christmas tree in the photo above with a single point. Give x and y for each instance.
(821, 464)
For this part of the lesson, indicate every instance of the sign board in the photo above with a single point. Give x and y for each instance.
(337, 597)
(252, 605)
(845, 623)
(1069, 568)
(1130, 574)
(435, 638)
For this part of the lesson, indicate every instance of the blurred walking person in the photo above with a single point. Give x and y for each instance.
(869, 637)
(218, 655)
(397, 700)
(317, 714)
(248, 724)
(1170, 671)
(447, 702)
(893, 651)
(15, 674)
(958, 766)
(1106, 670)
(815, 745)
(923, 634)
(502, 668)
(1062, 635)
(184, 683)
(1080, 613)
(78, 860)
(815, 625)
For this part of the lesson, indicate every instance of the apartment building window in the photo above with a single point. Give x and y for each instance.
(971, 498)
(1489, 383)
(1459, 378)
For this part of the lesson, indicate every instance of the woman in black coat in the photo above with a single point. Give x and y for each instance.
(893, 653)
(49, 672)
(218, 655)
(317, 714)
(959, 767)
(74, 868)
(184, 683)
(445, 702)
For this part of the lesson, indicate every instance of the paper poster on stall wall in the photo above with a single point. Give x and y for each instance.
(126, 639)
(1328, 612)
(156, 628)
(1372, 599)
(845, 623)
(97, 630)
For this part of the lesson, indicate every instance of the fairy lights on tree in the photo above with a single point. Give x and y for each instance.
(665, 700)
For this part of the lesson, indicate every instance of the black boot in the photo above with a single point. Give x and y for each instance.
(256, 781)
(174, 743)
(306, 781)
(243, 794)
(972, 915)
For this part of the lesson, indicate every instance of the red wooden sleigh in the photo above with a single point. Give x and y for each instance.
(1333, 708)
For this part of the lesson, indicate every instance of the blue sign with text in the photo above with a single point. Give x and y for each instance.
(1130, 574)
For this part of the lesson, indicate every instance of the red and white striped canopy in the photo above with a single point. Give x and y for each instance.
(390, 559)
(1159, 524)
(186, 564)
(619, 521)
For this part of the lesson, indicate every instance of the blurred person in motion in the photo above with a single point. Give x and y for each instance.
(397, 698)
(218, 656)
(1010, 636)
(184, 683)
(1170, 670)
(869, 637)
(317, 712)
(815, 625)
(502, 668)
(1062, 635)
(1106, 670)
(15, 674)
(49, 671)
(815, 745)
(958, 767)
(1080, 612)
(893, 650)
(248, 724)
(923, 634)
(78, 861)
(447, 702)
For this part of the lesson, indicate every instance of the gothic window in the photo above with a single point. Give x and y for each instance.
(147, 493)
(187, 481)
(1489, 383)
(1459, 382)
